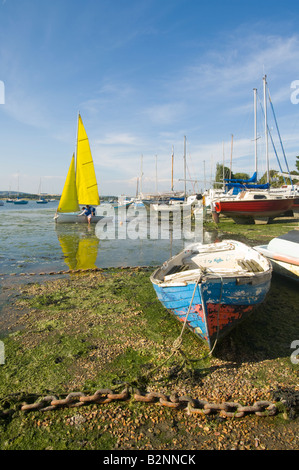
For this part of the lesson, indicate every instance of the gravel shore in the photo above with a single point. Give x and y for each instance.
(96, 330)
(81, 332)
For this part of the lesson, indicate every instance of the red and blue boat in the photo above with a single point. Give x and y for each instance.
(212, 288)
(254, 206)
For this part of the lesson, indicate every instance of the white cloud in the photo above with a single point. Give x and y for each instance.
(118, 139)
(165, 114)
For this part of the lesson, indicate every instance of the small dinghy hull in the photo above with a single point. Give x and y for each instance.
(213, 287)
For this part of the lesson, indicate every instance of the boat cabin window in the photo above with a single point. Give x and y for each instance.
(259, 196)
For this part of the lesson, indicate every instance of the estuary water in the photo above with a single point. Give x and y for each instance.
(32, 246)
(31, 242)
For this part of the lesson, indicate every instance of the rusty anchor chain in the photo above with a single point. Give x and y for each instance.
(191, 405)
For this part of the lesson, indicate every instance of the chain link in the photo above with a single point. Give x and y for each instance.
(191, 405)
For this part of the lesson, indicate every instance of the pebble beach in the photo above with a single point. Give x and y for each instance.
(105, 329)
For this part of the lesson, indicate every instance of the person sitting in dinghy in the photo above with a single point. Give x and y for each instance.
(87, 212)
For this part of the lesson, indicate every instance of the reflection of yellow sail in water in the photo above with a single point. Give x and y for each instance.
(87, 253)
(79, 249)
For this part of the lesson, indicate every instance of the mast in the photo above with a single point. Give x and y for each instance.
(141, 174)
(172, 158)
(255, 129)
(223, 165)
(231, 158)
(156, 176)
(76, 145)
(266, 128)
(185, 166)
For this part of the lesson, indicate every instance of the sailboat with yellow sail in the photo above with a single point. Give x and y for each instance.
(80, 188)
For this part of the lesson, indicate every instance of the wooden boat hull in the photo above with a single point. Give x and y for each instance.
(255, 208)
(283, 252)
(72, 218)
(221, 301)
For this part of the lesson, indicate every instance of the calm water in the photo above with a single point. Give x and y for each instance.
(30, 241)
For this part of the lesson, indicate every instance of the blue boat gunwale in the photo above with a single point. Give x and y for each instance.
(162, 275)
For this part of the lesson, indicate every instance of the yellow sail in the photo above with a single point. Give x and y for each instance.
(87, 188)
(69, 200)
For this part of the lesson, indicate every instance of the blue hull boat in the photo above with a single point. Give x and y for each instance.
(211, 288)
(20, 201)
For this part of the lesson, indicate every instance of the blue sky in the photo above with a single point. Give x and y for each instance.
(143, 74)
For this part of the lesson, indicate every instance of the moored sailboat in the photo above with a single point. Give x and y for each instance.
(20, 201)
(255, 203)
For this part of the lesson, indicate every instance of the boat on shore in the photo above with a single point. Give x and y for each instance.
(283, 252)
(253, 206)
(256, 203)
(80, 188)
(211, 288)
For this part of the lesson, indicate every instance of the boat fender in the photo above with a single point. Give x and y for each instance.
(218, 207)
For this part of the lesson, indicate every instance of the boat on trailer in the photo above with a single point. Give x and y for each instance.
(212, 288)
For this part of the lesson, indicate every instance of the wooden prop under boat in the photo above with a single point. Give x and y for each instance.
(212, 287)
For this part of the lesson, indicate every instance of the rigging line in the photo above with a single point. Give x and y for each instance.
(285, 158)
(189, 308)
(177, 343)
(274, 148)
(218, 315)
